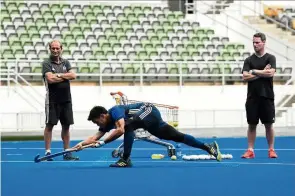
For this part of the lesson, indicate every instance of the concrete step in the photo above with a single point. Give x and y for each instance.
(272, 29)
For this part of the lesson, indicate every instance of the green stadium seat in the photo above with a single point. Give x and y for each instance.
(27, 69)
(37, 70)
(100, 31)
(129, 69)
(8, 54)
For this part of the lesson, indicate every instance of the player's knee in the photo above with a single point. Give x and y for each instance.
(49, 127)
(65, 128)
(268, 126)
(178, 137)
(252, 127)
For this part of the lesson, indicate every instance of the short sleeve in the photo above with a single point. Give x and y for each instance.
(117, 113)
(273, 62)
(68, 65)
(45, 68)
(246, 66)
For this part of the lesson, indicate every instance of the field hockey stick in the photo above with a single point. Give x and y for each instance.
(44, 158)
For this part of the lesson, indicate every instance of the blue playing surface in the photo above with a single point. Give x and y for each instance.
(92, 176)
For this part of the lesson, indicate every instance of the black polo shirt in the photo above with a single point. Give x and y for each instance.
(57, 92)
(261, 86)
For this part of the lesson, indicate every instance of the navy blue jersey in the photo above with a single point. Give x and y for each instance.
(146, 112)
(118, 112)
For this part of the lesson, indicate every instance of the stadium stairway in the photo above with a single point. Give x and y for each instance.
(270, 28)
(287, 101)
(218, 6)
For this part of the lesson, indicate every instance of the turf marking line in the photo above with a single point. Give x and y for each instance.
(232, 149)
(172, 162)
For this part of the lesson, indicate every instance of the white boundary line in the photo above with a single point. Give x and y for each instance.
(172, 162)
(233, 149)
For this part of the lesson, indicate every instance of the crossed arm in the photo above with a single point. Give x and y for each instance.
(56, 78)
(255, 73)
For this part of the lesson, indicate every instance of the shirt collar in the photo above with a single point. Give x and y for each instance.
(259, 56)
(61, 60)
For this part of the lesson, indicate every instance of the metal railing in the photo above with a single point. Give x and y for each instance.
(222, 76)
(35, 98)
(31, 95)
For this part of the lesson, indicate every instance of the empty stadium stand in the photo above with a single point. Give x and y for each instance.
(283, 14)
(118, 33)
(105, 32)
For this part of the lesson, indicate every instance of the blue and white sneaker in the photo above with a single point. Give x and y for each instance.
(69, 157)
(48, 153)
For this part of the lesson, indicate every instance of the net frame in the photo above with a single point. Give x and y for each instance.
(169, 113)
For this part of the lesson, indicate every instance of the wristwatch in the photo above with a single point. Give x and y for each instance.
(252, 72)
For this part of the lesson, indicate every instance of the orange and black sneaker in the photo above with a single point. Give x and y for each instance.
(272, 153)
(249, 154)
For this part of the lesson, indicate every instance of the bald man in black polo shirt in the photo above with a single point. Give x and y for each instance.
(57, 74)
(258, 71)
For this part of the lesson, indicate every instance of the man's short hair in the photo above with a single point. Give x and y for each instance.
(55, 40)
(96, 111)
(261, 35)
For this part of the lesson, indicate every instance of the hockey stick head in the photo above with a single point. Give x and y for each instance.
(36, 159)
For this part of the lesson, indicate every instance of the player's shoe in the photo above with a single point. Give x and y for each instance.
(213, 149)
(70, 157)
(48, 153)
(249, 154)
(122, 163)
(272, 153)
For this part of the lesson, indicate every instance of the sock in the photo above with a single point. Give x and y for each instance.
(128, 142)
(191, 141)
(251, 149)
(47, 151)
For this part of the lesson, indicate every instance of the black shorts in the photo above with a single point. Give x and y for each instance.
(260, 108)
(59, 112)
(167, 132)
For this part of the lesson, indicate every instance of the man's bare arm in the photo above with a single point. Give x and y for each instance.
(71, 75)
(268, 73)
(249, 77)
(120, 124)
(92, 139)
(52, 78)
